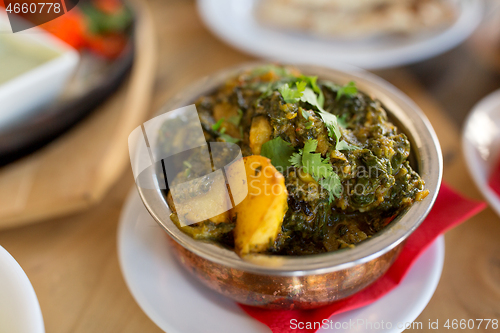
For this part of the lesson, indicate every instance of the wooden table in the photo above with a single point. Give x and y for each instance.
(72, 261)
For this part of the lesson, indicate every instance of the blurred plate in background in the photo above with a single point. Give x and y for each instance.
(481, 145)
(235, 23)
(19, 308)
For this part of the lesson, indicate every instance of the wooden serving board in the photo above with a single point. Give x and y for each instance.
(75, 171)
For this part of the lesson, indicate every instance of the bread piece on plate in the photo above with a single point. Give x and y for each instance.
(378, 17)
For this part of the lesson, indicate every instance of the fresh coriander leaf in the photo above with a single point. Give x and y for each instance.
(228, 138)
(235, 120)
(301, 86)
(289, 95)
(309, 125)
(319, 168)
(296, 159)
(305, 114)
(218, 124)
(312, 162)
(332, 125)
(343, 145)
(316, 166)
(278, 151)
(310, 146)
(311, 80)
(222, 130)
(348, 90)
(333, 185)
(342, 121)
(308, 96)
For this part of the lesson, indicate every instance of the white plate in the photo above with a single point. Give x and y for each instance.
(178, 303)
(234, 22)
(481, 144)
(19, 308)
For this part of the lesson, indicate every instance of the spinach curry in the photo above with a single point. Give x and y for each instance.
(345, 165)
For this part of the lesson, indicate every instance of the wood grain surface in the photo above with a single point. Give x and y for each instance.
(72, 261)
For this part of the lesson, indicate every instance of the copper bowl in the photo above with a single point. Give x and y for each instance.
(286, 282)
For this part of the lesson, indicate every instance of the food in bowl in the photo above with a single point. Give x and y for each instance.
(326, 168)
(356, 19)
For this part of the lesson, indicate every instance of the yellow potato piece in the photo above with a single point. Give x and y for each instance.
(260, 133)
(260, 215)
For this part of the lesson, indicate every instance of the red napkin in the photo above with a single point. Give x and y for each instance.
(450, 210)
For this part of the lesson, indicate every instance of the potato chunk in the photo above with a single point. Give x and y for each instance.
(260, 215)
(260, 133)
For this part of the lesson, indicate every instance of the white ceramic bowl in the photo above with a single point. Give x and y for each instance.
(19, 308)
(29, 92)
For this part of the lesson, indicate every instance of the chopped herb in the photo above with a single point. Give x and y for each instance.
(343, 145)
(342, 121)
(321, 169)
(348, 90)
(296, 159)
(311, 80)
(218, 124)
(309, 124)
(228, 138)
(235, 120)
(312, 162)
(305, 114)
(333, 185)
(291, 95)
(332, 126)
(278, 151)
(308, 96)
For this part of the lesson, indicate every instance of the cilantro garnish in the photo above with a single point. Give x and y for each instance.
(348, 90)
(305, 114)
(343, 121)
(308, 95)
(311, 80)
(278, 151)
(344, 145)
(235, 120)
(218, 124)
(221, 132)
(291, 95)
(228, 138)
(321, 169)
(333, 185)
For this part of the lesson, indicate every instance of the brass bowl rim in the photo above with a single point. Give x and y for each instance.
(418, 129)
